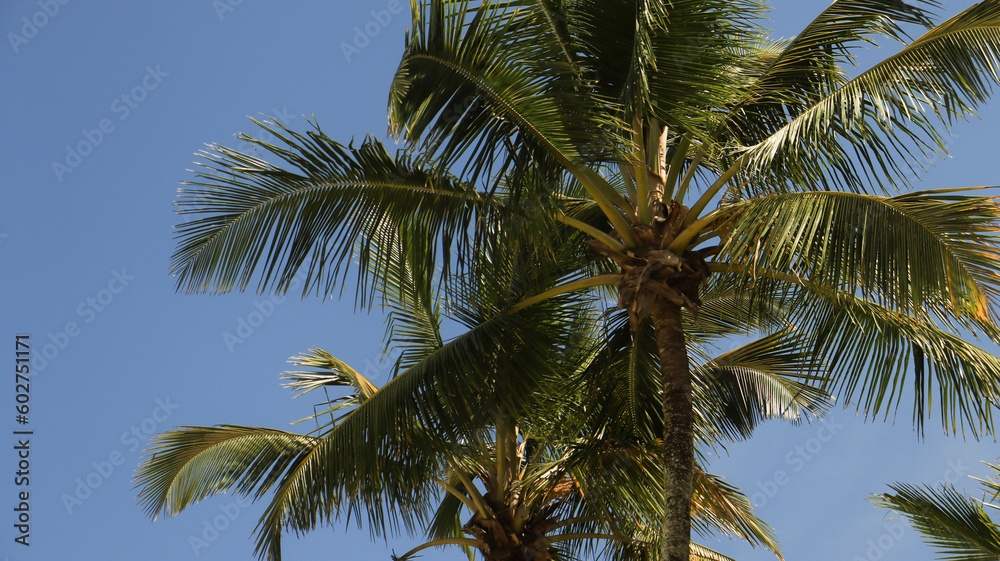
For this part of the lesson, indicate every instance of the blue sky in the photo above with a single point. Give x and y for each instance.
(104, 105)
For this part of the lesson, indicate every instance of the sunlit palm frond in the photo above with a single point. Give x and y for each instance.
(328, 372)
(931, 251)
(890, 117)
(185, 466)
(476, 80)
(702, 553)
(956, 525)
(323, 205)
(869, 351)
(333, 372)
(773, 377)
(795, 74)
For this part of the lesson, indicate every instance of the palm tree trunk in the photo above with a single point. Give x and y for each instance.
(678, 431)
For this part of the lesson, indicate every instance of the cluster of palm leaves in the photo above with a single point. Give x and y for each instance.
(569, 465)
(595, 194)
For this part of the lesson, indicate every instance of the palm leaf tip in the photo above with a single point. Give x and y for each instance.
(188, 465)
(329, 371)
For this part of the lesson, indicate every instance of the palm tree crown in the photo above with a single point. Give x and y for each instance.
(689, 155)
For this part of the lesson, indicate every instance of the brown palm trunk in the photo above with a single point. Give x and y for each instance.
(678, 431)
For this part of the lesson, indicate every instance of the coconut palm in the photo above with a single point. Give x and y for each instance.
(554, 477)
(957, 525)
(695, 156)
(518, 495)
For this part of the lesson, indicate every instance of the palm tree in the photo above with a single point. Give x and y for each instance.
(695, 156)
(532, 485)
(957, 525)
(537, 498)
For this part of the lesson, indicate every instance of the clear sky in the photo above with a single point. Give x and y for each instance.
(104, 104)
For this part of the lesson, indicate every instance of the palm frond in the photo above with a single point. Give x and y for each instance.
(413, 324)
(661, 60)
(925, 251)
(322, 206)
(333, 372)
(728, 310)
(702, 553)
(185, 466)
(773, 377)
(956, 525)
(891, 115)
(720, 506)
(868, 351)
(425, 409)
(793, 75)
(477, 80)
(328, 372)
(621, 490)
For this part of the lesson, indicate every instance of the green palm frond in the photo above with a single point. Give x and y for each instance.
(624, 378)
(489, 84)
(661, 60)
(956, 525)
(773, 377)
(869, 350)
(890, 116)
(622, 491)
(476, 80)
(926, 251)
(728, 310)
(185, 466)
(447, 521)
(719, 506)
(795, 74)
(413, 323)
(417, 415)
(329, 205)
(430, 406)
